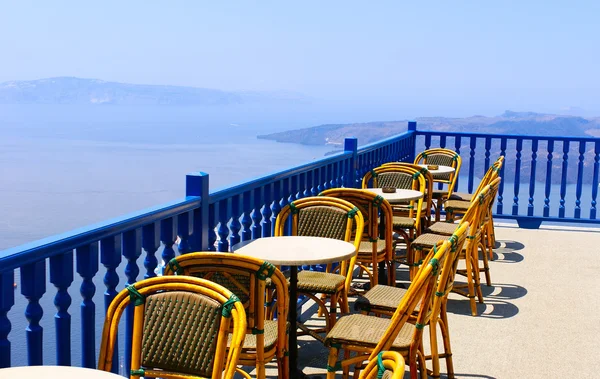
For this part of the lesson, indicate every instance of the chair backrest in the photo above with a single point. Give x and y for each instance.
(245, 277)
(181, 325)
(492, 173)
(419, 292)
(442, 157)
(387, 365)
(321, 216)
(401, 177)
(428, 182)
(372, 207)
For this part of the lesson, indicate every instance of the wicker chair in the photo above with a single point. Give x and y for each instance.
(246, 277)
(330, 218)
(383, 300)
(387, 365)
(407, 219)
(181, 326)
(367, 335)
(373, 249)
(455, 206)
(475, 215)
(441, 157)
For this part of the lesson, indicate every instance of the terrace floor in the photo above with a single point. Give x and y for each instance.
(540, 318)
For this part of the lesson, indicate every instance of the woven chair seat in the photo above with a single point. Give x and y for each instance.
(443, 228)
(366, 247)
(363, 330)
(320, 282)
(457, 205)
(270, 337)
(403, 222)
(381, 296)
(428, 240)
(461, 196)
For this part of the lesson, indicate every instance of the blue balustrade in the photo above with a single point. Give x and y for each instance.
(216, 220)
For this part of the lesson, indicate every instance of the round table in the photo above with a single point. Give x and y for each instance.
(55, 372)
(441, 170)
(400, 196)
(296, 251)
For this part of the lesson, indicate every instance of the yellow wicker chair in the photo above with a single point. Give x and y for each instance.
(330, 218)
(407, 219)
(475, 215)
(441, 157)
(246, 277)
(373, 249)
(387, 365)
(368, 335)
(180, 329)
(383, 300)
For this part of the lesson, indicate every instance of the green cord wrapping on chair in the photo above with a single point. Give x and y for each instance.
(439, 294)
(416, 175)
(352, 212)
(419, 326)
(255, 331)
(140, 372)
(424, 154)
(293, 208)
(377, 201)
(380, 366)
(373, 174)
(435, 264)
(453, 240)
(136, 297)
(338, 366)
(227, 306)
(175, 267)
(424, 170)
(455, 157)
(270, 268)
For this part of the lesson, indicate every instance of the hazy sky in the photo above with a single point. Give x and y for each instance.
(451, 57)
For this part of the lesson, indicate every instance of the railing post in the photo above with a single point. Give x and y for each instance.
(7, 300)
(412, 127)
(196, 184)
(351, 146)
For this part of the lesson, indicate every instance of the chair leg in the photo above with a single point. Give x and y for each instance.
(435, 358)
(486, 266)
(470, 279)
(443, 322)
(333, 310)
(489, 228)
(476, 270)
(331, 362)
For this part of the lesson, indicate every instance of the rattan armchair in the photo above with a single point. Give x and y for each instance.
(367, 336)
(372, 249)
(383, 300)
(441, 157)
(329, 218)
(387, 365)
(181, 327)
(407, 218)
(246, 277)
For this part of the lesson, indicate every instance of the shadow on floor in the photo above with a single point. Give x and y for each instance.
(501, 291)
(492, 308)
(476, 376)
(508, 245)
(507, 257)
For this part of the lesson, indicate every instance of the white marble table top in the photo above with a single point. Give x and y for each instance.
(401, 195)
(440, 170)
(296, 250)
(55, 372)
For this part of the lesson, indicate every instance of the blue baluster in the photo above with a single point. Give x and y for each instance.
(515, 207)
(223, 229)
(150, 244)
(322, 179)
(61, 275)
(488, 146)
(7, 300)
(235, 226)
(457, 145)
(110, 257)
(168, 233)
(499, 206)
(534, 148)
(309, 184)
(33, 287)
(256, 214)
(246, 219)
(212, 225)
(548, 179)
(579, 179)
(266, 211)
(131, 250)
(595, 179)
(315, 183)
(443, 142)
(563, 180)
(472, 146)
(184, 230)
(275, 207)
(427, 142)
(87, 267)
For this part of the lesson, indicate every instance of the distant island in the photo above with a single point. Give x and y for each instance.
(507, 123)
(71, 90)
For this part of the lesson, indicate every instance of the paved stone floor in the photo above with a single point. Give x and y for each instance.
(540, 318)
